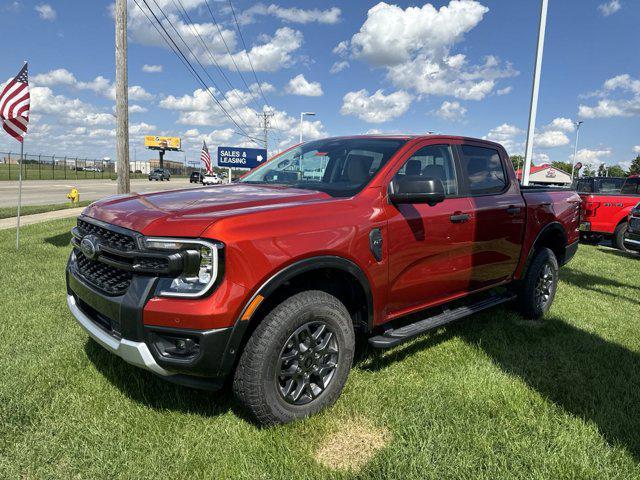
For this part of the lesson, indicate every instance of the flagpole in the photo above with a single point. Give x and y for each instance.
(19, 194)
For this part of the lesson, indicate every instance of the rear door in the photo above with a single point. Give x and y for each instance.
(499, 211)
(429, 246)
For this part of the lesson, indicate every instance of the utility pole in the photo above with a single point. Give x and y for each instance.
(122, 98)
(265, 123)
(575, 149)
(533, 109)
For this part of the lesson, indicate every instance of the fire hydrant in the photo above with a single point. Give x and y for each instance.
(74, 195)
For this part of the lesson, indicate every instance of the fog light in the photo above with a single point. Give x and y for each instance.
(169, 345)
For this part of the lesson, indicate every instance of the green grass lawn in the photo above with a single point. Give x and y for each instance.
(8, 212)
(490, 397)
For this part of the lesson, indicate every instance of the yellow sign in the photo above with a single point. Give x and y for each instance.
(162, 143)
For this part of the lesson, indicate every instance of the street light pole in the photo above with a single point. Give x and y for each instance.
(575, 149)
(302, 114)
(534, 93)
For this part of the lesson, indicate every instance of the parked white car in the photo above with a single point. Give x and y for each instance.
(211, 179)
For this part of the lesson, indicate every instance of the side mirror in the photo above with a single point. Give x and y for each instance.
(417, 190)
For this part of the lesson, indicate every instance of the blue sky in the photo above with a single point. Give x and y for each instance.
(459, 66)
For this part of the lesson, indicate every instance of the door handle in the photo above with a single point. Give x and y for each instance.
(459, 217)
(513, 210)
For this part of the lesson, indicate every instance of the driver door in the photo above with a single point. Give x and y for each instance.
(430, 247)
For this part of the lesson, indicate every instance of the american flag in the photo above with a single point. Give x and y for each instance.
(206, 158)
(14, 105)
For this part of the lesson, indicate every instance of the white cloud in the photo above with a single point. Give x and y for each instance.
(610, 7)
(550, 139)
(376, 108)
(509, 136)
(504, 91)
(636, 149)
(299, 85)
(415, 44)
(152, 68)
(451, 111)
(46, 12)
(339, 66)
(272, 54)
(592, 157)
(200, 110)
(292, 15)
(620, 97)
(563, 124)
(99, 85)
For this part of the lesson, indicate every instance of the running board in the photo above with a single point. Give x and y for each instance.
(395, 336)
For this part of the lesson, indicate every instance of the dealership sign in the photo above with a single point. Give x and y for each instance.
(236, 157)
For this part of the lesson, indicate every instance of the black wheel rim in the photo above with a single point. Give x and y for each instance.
(307, 363)
(544, 286)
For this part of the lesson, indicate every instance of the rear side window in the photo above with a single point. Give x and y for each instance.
(584, 186)
(434, 161)
(483, 169)
(631, 186)
(610, 185)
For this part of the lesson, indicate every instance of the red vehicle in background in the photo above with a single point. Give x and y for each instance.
(605, 212)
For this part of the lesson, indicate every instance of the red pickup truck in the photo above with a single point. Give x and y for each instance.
(268, 280)
(605, 212)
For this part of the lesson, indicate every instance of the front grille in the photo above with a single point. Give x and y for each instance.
(110, 238)
(634, 224)
(111, 280)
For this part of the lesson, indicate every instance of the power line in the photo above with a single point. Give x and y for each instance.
(191, 24)
(246, 52)
(185, 61)
(195, 57)
(233, 60)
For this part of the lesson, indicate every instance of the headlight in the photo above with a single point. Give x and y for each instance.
(201, 266)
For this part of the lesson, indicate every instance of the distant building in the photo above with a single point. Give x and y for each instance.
(546, 175)
(146, 166)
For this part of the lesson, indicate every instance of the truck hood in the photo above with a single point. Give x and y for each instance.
(188, 212)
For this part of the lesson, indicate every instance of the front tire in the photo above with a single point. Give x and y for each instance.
(538, 288)
(297, 360)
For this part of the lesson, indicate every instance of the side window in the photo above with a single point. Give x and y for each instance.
(631, 186)
(584, 186)
(434, 161)
(483, 169)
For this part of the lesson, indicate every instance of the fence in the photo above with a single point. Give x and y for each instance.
(52, 167)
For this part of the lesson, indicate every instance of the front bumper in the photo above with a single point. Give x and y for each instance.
(135, 353)
(116, 323)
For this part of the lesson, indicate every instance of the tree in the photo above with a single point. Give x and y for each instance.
(564, 166)
(518, 161)
(588, 171)
(602, 170)
(617, 171)
(635, 166)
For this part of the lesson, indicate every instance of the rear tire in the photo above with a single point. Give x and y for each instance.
(618, 237)
(538, 288)
(297, 360)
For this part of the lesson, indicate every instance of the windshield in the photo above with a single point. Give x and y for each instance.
(339, 167)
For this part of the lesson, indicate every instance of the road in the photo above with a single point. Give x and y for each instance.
(47, 192)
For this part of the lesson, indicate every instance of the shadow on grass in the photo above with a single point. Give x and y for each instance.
(587, 376)
(596, 282)
(154, 392)
(619, 253)
(60, 240)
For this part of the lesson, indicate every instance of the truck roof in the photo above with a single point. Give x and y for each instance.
(411, 136)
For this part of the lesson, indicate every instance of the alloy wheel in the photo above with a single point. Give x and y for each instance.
(307, 363)
(544, 286)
